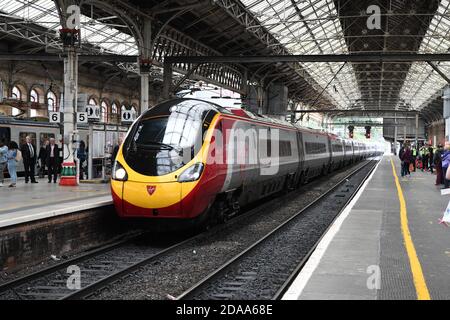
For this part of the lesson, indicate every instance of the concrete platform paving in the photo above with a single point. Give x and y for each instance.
(363, 256)
(29, 202)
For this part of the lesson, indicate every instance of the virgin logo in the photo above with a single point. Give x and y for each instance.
(151, 189)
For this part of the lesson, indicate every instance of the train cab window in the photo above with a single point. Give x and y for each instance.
(23, 135)
(167, 136)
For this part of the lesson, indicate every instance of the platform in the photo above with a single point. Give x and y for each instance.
(30, 202)
(367, 253)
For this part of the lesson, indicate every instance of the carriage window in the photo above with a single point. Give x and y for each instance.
(23, 135)
(285, 148)
(5, 134)
(45, 136)
(337, 147)
(315, 147)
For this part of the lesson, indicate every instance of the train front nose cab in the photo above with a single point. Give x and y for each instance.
(158, 161)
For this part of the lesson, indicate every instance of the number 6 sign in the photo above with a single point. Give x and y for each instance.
(54, 117)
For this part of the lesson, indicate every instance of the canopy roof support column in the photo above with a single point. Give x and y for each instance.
(446, 111)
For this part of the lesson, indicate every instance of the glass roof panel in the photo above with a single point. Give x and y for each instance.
(422, 82)
(303, 29)
(43, 12)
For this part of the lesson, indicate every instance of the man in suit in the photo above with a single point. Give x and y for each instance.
(29, 159)
(42, 158)
(52, 160)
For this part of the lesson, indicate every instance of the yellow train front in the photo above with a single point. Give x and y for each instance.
(161, 166)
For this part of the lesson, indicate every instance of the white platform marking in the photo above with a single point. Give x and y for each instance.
(299, 284)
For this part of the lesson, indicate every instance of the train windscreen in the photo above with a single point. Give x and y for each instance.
(167, 136)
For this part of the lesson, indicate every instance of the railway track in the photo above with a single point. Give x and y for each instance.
(267, 268)
(102, 267)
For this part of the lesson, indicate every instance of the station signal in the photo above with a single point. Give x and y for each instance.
(350, 131)
(368, 132)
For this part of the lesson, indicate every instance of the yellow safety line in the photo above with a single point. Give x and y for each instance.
(416, 268)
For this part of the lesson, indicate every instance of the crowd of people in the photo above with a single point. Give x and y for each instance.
(428, 159)
(48, 156)
(47, 160)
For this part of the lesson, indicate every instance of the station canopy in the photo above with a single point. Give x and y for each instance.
(108, 37)
(308, 27)
(340, 27)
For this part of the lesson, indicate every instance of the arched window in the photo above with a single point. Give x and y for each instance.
(114, 108)
(34, 96)
(92, 102)
(134, 111)
(15, 112)
(51, 101)
(16, 93)
(123, 108)
(104, 112)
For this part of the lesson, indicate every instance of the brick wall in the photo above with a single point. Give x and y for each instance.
(43, 77)
(31, 243)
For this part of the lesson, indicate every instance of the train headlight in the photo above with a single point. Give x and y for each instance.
(192, 173)
(119, 173)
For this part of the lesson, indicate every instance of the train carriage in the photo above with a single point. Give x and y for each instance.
(192, 160)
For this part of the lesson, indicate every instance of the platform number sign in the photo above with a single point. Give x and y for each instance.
(127, 116)
(54, 117)
(82, 117)
(93, 112)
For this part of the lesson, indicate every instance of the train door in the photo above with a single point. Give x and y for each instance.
(301, 152)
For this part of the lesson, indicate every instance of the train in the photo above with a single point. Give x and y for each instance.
(178, 162)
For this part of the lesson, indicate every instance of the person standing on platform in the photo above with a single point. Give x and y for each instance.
(431, 157)
(12, 163)
(400, 155)
(446, 163)
(424, 152)
(406, 160)
(437, 162)
(414, 157)
(52, 160)
(42, 158)
(29, 159)
(3, 160)
(82, 156)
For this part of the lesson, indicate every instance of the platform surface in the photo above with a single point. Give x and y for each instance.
(363, 255)
(29, 202)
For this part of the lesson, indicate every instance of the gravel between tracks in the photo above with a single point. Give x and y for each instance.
(177, 271)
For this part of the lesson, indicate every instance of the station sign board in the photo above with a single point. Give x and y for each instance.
(54, 117)
(127, 116)
(93, 112)
(82, 117)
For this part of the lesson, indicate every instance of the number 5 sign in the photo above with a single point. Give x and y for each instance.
(82, 117)
(54, 117)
